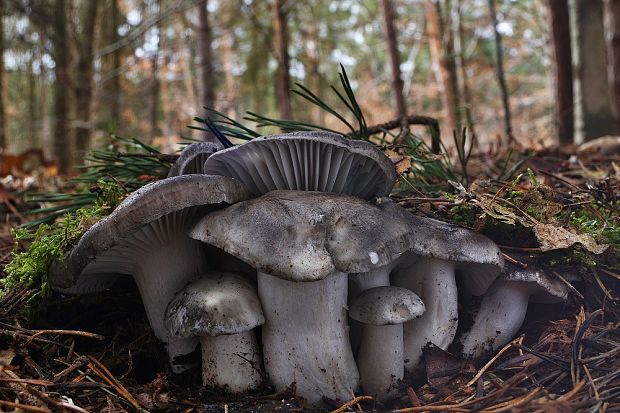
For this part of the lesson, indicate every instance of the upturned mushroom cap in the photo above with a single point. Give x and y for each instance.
(192, 159)
(216, 304)
(309, 161)
(172, 203)
(544, 288)
(305, 236)
(386, 305)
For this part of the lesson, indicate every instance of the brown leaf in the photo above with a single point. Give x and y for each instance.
(552, 237)
(6, 356)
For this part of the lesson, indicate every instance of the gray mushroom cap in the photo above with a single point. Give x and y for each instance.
(216, 304)
(476, 257)
(386, 305)
(305, 236)
(309, 161)
(545, 289)
(192, 159)
(177, 201)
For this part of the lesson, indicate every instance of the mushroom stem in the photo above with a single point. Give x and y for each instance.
(306, 338)
(432, 280)
(380, 359)
(160, 274)
(231, 361)
(499, 317)
(378, 277)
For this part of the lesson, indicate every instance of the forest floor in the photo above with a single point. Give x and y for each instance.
(97, 354)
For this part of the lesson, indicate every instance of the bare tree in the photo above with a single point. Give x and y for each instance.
(62, 141)
(280, 28)
(397, 81)
(85, 42)
(563, 68)
(593, 112)
(205, 67)
(442, 51)
(499, 69)
(613, 52)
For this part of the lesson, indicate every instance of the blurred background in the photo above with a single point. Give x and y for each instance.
(514, 72)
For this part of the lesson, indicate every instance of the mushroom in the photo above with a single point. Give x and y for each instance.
(383, 310)
(303, 245)
(310, 161)
(146, 237)
(503, 308)
(222, 309)
(438, 251)
(192, 159)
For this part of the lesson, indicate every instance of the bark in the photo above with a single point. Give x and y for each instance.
(281, 45)
(155, 85)
(84, 74)
(593, 113)
(3, 140)
(227, 41)
(563, 70)
(43, 101)
(33, 125)
(462, 66)
(115, 85)
(443, 62)
(62, 142)
(499, 69)
(392, 41)
(205, 68)
(613, 52)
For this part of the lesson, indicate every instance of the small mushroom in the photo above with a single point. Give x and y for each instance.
(146, 237)
(309, 161)
(503, 307)
(192, 159)
(222, 309)
(303, 245)
(383, 310)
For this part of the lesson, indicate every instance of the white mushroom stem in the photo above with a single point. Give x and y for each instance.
(378, 277)
(380, 359)
(160, 274)
(231, 361)
(306, 338)
(433, 281)
(499, 317)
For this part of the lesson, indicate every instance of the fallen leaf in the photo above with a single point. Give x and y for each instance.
(552, 237)
(6, 357)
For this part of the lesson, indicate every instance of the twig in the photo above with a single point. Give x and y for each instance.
(26, 407)
(413, 398)
(66, 333)
(101, 370)
(352, 403)
(489, 363)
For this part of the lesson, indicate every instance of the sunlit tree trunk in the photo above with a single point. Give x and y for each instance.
(62, 142)
(281, 45)
(593, 114)
(613, 51)
(3, 140)
(443, 62)
(397, 81)
(84, 74)
(563, 68)
(499, 69)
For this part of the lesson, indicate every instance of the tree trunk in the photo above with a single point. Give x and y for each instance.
(84, 74)
(46, 128)
(62, 142)
(155, 86)
(397, 81)
(593, 111)
(3, 140)
(205, 68)
(613, 52)
(34, 123)
(115, 85)
(563, 68)
(499, 68)
(281, 40)
(444, 66)
(462, 65)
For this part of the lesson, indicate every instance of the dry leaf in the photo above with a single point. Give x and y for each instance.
(6, 357)
(552, 237)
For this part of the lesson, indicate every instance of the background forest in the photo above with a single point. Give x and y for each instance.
(72, 72)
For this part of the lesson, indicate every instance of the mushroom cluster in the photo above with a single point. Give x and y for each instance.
(285, 261)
